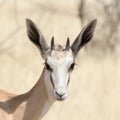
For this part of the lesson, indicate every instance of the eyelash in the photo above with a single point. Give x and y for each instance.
(48, 67)
(72, 66)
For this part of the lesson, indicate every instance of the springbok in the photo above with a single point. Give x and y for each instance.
(54, 80)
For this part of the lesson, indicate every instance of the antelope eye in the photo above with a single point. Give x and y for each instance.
(48, 67)
(72, 66)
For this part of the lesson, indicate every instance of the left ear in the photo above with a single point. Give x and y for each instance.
(36, 37)
(84, 37)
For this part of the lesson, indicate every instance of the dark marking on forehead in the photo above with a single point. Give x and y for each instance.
(59, 48)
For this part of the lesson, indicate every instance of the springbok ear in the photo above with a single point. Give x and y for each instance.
(36, 37)
(84, 36)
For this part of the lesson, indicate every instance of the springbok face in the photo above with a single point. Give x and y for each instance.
(59, 61)
(59, 65)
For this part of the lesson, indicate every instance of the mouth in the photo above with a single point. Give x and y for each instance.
(60, 98)
(60, 94)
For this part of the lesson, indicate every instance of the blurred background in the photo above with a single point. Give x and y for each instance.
(95, 82)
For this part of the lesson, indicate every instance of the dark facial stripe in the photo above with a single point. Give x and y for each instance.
(68, 81)
(51, 80)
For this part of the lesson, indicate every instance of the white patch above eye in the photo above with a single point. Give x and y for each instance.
(65, 60)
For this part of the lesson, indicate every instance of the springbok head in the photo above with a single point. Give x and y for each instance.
(59, 61)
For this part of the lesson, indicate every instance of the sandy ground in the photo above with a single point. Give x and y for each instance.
(95, 83)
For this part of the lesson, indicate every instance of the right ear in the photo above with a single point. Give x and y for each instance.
(36, 37)
(84, 37)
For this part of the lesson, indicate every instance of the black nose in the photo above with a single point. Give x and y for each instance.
(60, 94)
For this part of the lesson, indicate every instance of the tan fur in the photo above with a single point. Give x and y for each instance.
(28, 106)
(60, 53)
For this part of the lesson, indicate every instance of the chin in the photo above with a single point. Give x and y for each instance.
(60, 98)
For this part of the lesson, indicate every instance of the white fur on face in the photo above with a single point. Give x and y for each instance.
(60, 73)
